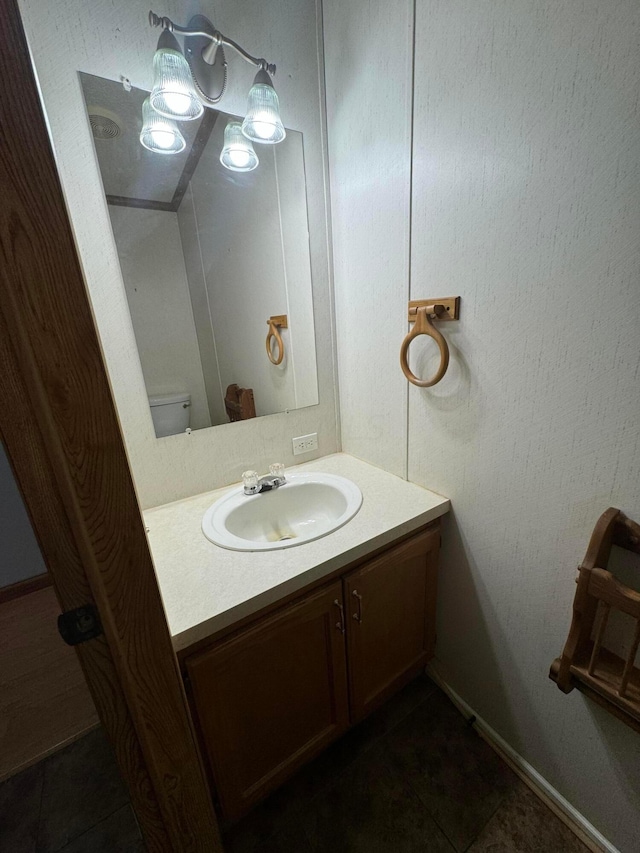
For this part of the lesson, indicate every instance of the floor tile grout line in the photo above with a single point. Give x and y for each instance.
(503, 799)
(92, 827)
(86, 829)
(433, 817)
(416, 793)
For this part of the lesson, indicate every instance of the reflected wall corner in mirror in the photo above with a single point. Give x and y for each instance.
(211, 256)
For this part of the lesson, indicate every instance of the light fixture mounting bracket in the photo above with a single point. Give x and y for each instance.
(210, 78)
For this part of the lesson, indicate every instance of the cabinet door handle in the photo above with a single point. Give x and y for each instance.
(358, 614)
(340, 625)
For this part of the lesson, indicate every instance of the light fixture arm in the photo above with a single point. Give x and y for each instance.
(216, 38)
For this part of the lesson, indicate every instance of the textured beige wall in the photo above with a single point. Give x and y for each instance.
(526, 202)
(114, 39)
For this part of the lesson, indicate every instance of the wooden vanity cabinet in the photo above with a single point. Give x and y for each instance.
(390, 604)
(273, 695)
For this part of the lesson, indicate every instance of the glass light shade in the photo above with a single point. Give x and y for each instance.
(262, 122)
(173, 94)
(160, 134)
(237, 153)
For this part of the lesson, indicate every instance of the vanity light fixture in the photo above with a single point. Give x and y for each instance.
(159, 134)
(237, 153)
(204, 58)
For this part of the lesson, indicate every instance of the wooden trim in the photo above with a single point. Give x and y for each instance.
(199, 144)
(15, 590)
(61, 433)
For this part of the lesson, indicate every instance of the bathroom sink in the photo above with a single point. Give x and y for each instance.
(306, 507)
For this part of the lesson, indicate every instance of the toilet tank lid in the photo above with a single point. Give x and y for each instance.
(168, 399)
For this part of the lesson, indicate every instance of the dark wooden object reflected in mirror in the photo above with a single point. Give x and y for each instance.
(239, 403)
(611, 679)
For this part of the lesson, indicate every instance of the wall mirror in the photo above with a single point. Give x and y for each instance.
(215, 263)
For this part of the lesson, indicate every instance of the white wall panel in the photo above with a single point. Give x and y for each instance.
(197, 285)
(527, 204)
(368, 49)
(114, 39)
(153, 269)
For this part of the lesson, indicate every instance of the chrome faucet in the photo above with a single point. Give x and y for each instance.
(254, 484)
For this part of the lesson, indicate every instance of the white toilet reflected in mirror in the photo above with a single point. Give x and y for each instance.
(170, 413)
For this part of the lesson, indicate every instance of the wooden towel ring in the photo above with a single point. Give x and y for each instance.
(424, 326)
(274, 323)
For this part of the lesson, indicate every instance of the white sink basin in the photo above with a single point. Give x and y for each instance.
(306, 507)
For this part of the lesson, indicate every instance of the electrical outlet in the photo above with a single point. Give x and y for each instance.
(305, 443)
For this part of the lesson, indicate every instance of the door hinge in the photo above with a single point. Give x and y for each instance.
(79, 625)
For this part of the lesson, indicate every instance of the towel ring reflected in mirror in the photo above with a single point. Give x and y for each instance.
(275, 324)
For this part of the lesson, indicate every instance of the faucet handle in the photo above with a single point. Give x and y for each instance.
(277, 470)
(250, 482)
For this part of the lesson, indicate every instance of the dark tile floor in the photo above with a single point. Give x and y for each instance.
(412, 777)
(73, 801)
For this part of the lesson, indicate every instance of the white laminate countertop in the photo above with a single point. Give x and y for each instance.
(206, 588)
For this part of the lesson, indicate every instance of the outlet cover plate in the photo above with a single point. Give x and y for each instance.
(305, 443)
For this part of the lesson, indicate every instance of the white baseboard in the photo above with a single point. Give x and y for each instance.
(577, 823)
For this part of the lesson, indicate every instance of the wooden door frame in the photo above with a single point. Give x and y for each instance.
(61, 432)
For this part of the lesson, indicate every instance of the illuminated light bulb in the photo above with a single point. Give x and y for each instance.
(262, 126)
(159, 135)
(173, 94)
(178, 102)
(262, 122)
(237, 153)
(162, 138)
(239, 158)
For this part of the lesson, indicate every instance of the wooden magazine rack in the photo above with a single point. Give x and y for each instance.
(610, 680)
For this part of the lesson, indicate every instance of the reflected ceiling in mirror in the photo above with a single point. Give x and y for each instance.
(208, 257)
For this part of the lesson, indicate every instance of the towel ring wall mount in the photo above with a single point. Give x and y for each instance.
(421, 313)
(276, 323)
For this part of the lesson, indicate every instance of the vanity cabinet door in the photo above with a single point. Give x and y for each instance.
(271, 697)
(390, 612)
